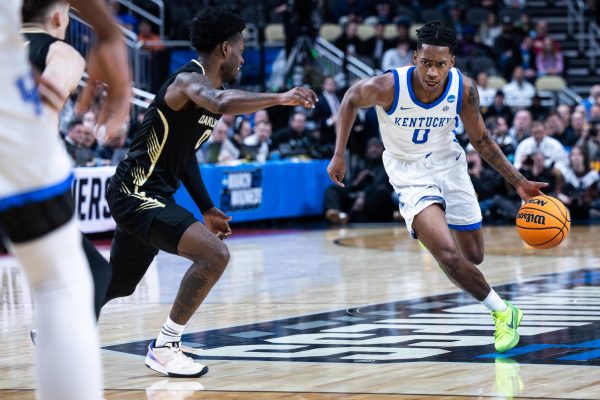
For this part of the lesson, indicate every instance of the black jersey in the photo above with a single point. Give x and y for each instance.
(164, 144)
(38, 42)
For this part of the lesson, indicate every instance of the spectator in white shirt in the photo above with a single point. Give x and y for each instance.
(521, 126)
(518, 92)
(554, 152)
(486, 93)
(261, 138)
(398, 56)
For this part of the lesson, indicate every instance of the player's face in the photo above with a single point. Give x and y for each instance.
(433, 64)
(234, 60)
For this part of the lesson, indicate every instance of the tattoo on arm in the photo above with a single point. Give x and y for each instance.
(490, 151)
(474, 100)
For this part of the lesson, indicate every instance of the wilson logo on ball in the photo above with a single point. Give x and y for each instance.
(536, 219)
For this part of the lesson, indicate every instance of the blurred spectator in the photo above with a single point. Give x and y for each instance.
(590, 141)
(558, 131)
(326, 110)
(549, 61)
(383, 10)
(376, 45)
(554, 153)
(519, 4)
(564, 112)
(260, 116)
(518, 92)
(595, 112)
(348, 41)
(150, 40)
(537, 110)
(527, 58)
(89, 119)
(498, 108)
(591, 100)
(523, 26)
(368, 197)
(128, 21)
(300, 18)
(535, 168)
(576, 127)
(295, 139)
(218, 147)
(498, 128)
(455, 12)
(541, 33)
(486, 93)
(258, 143)
(488, 31)
(580, 187)
(506, 47)
(521, 126)
(396, 57)
(78, 142)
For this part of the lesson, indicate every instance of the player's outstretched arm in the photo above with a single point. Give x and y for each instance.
(489, 150)
(64, 67)
(368, 92)
(198, 89)
(108, 63)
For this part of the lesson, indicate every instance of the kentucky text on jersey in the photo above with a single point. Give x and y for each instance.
(422, 122)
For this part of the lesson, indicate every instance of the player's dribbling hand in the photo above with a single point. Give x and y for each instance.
(336, 170)
(300, 96)
(529, 189)
(217, 222)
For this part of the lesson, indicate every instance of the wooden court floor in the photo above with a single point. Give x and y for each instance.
(356, 313)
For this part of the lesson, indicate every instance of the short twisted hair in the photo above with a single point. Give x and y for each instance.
(435, 33)
(214, 25)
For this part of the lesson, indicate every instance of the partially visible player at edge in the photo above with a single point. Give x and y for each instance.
(163, 154)
(418, 108)
(45, 24)
(36, 206)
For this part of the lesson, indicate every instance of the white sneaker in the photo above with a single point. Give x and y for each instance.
(169, 360)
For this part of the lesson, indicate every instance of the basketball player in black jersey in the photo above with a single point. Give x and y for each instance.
(44, 26)
(140, 196)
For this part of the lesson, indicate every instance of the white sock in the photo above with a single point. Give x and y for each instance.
(493, 302)
(68, 363)
(170, 332)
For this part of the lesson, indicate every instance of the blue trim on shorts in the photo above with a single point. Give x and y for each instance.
(37, 195)
(396, 91)
(433, 198)
(470, 227)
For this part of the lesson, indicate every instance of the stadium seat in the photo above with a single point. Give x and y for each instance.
(330, 32)
(482, 63)
(390, 31)
(496, 82)
(431, 14)
(550, 83)
(405, 13)
(365, 31)
(412, 31)
(513, 13)
(274, 33)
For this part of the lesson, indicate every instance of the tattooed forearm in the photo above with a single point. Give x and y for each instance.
(491, 153)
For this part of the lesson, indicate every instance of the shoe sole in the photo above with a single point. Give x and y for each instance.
(154, 366)
(515, 340)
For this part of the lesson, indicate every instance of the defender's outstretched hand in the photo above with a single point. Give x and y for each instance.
(336, 170)
(300, 96)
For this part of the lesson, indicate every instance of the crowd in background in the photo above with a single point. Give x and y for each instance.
(559, 145)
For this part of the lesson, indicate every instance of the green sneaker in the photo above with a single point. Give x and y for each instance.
(507, 322)
(508, 382)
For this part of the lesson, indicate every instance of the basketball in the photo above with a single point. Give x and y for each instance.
(543, 222)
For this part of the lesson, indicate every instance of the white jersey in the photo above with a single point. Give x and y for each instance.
(32, 156)
(411, 129)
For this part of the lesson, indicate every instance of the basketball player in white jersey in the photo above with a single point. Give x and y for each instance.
(36, 209)
(418, 109)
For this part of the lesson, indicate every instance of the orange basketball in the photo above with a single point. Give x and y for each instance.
(543, 222)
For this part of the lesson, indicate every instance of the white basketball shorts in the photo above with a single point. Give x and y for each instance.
(440, 177)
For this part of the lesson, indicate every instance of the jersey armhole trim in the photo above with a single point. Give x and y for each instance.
(396, 91)
(460, 92)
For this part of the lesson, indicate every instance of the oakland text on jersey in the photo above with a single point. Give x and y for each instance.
(422, 122)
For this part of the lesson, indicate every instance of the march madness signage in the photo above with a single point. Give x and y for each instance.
(561, 326)
(89, 192)
(241, 190)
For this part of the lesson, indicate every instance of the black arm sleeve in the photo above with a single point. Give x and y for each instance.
(192, 180)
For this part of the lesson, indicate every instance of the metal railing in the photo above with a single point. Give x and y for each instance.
(158, 20)
(594, 48)
(576, 21)
(333, 58)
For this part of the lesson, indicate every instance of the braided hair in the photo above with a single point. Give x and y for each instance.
(435, 33)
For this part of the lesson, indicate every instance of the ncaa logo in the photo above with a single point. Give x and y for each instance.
(451, 98)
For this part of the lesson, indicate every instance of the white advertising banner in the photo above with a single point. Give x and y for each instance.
(89, 192)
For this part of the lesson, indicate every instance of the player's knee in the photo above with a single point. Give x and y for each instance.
(221, 256)
(475, 257)
(448, 258)
(122, 289)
